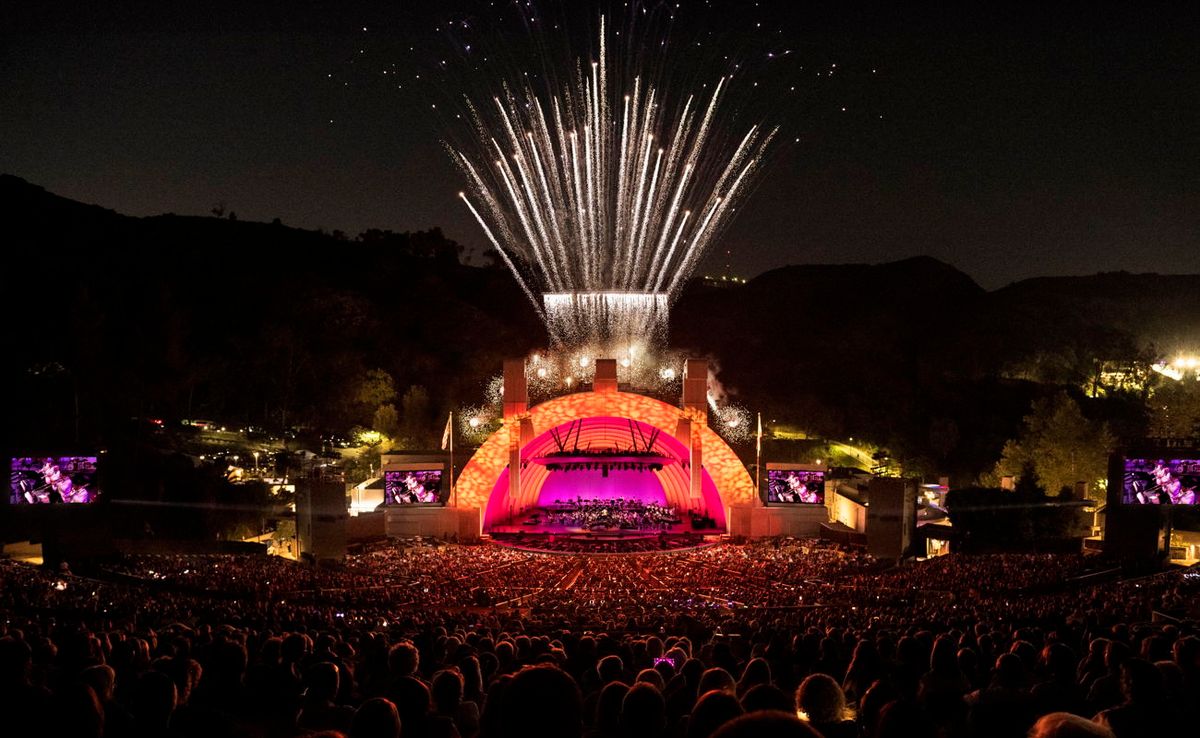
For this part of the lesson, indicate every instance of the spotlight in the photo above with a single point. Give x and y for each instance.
(584, 361)
(667, 373)
(541, 372)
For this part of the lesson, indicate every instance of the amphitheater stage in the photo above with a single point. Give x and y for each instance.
(563, 539)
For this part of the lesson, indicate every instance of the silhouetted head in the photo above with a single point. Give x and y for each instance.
(1066, 725)
(712, 710)
(542, 701)
(766, 725)
(766, 697)
(643, 711)
(1141, 681)
(716, 678)
(608, 707)
(447, 691)
(376, 718)
(403, 659)
(821, 699)
(323, 681)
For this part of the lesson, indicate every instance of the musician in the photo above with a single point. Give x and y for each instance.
(1173, 486)
(1167, 488)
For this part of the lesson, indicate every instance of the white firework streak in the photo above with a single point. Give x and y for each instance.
(575, 201)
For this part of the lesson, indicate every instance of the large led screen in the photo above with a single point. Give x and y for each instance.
(420, 487)
(1160, 481)
(47, 480)
(796, 486)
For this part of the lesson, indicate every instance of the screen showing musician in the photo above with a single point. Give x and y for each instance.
(799, 486)
(1159, 481)
(420, 487)
(49, 480)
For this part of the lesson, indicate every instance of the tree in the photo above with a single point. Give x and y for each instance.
(415, 420)
(376, 387)
(387, 420)
(1060, 445)
(1175, 410)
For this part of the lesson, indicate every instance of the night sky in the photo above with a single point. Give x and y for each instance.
(1009, 143)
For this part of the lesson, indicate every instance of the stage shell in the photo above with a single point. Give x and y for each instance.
(483, 483)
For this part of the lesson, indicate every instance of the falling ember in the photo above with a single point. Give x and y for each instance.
(603, 194)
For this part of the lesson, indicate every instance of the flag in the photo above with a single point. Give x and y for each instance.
(446, 433)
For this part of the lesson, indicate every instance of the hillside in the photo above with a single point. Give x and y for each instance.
(203, 316)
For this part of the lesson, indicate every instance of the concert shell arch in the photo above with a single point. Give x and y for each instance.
(602, 417)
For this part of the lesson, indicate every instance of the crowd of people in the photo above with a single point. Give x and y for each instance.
(617, 513)
(421, 639)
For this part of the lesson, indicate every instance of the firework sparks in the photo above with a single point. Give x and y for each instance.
(605, 214)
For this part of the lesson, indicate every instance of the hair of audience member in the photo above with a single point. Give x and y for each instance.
(666, 669)
(677, 654)
(757, 672)
(1141, 682)
(404, 659)
(608, 707)
(472, 674)
(101, 678)
(821, 699)
(16, 661)
(78, 712)
(228, 660)
(323, 680)
(766, 724)
(643, 711)
(1115, 654)
(878, 695)
(446, 689)
(1186, 652)
(542, 701)
(506, 655)
(968, 664)
(1173, 679)
(1009, 671)
(376, 718)
(902, 719)
(944, 656)
(716, 678)
(491, 714)
(712, 710)
(610, 668)
(766, 697)
(691, 671)
(1067, 725)
(651, 676)
(154, 701)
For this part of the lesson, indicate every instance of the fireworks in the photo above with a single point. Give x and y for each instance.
(603, 193)
(733, 422)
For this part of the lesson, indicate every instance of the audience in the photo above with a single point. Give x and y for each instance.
(423, 641)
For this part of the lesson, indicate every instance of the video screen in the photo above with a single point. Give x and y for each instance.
(50, 480)
(411, 487)
(796, 486)
(1160, 481)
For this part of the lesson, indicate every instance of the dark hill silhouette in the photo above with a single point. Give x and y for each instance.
(211, 317)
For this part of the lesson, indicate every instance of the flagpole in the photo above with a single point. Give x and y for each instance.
(453, 486)
(758, 460)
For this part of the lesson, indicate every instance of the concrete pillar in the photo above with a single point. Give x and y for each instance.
(605, 379)
(695, 410)
(516, 393)
(516, 407)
